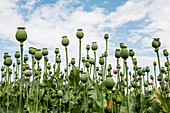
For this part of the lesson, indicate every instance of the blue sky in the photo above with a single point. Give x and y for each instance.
(134, 22)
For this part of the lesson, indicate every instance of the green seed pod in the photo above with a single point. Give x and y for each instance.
(65, 41)
(166, 79)
(106, 36)
(162, 69)
(159, 78)
(94, 46)
(56, 50)
(154, 63)
(34, 50)
(44, 52)
(121, 45)
(130, 86)
(131, 53)
(73, 61)
(83, 77)
(8, 61)
(147, 69)
(97, 68)
(38, 54)
(146, 84)
(124, 53)
(166, 64)
(21, 34)
(48, 66)
(13, 64)
(165, 52)
(30, 50)
(134, 61)
(156, 43)
(59, 93)
(25, 58)
(101, 60)
(109, 83)
(5, 55)
(87, 64)
(117, 53)
(91, 61)
(79, 33)
(139, 72)
(88, 56)
(151, 77)
(17, 55)
(88, 47)
(28, 72)
(18, 62)
(114, 97)
(58, 60)
(100, 73)
(2, 68)
(83, 59)
(118, 100)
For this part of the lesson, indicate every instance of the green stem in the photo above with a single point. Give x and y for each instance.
(102, 88)
(21, 80)
(37, 87)
(158, 61)
(141, 92)
(68, 79)
(155, 75)
(84, 98)
(60, 105)
(168, 70)
(105, 60)
(125, 62)
(95, 73)
(143, 83)
(111, 101)
(148, 80)
(27, 92)
(8, 91)
(118, 75)
(79, 53)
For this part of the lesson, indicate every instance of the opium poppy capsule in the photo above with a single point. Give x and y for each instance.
(38, 54)
(79, 33)
(56, 50)
(17, 55)
(21, 34)
(2, 68)
(156, 43)
(101, 60)
(8, 61)
(117, 53)
(28, 72)
(147, 69)
(87, 64)
(106, 36)
(131, 53)
(83, 77)
(30, 50)
(34, 50)
(165, 52)
(65, 41)
(121, 45)
(91, 61)
(124, 53)
(60, 93)
(139, 72)
(83, 59)
(73, 61)
(154, 63)
(48, 66)
(25, 58)
(100, 73)
(44, 52)
(109, 83)
(166, 64)
(94, 46)
(87, 47)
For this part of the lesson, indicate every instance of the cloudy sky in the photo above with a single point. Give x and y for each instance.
(133, 22)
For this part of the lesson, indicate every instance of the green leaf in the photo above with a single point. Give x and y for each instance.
(74, 77)
(164, 102)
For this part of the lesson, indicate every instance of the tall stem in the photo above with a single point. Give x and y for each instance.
(84, 98)
(79, 52)
(111, 101)
(118, 75)
(60, 105)
(95, 73)
(105, 59)
(37, 87)
(21, 80)
(8, 91)
(155, 75)
(68, 79)
(102, 88)
(125, 62)
(168, 70)
(158, 61)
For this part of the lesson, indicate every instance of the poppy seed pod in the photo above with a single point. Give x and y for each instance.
(17, 55)
(59, 93)
(124, 53)
(166, 64)
(166, 79)
(147, 69)
(100, 73)
(154, 63)
(38, 54)
(87, 64)
(131, 53)
(83, 77)
(34, 50)
(91, 61)
(65, 41)
(118, 100)
(87, 56)
(79, 33)
(30, 50)
(101, 60)
(156, 43)
(48, 66)
(162, 69)
(56, 50)
(25, 58)
(165, 52)
(109, 83)
(117, 53)
(2, 68)
(21, 34)
(73, 61)
(8, 61)
(28, 72)
(44, 52)
(139, 72)
(5, 55)
(58, 60)
(18, 62)
(151, 77)
(106, 36)
(94, 46)
(88, 47)
(121, 45)
(83, 59)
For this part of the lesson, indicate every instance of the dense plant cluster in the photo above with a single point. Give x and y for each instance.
(90, 89)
